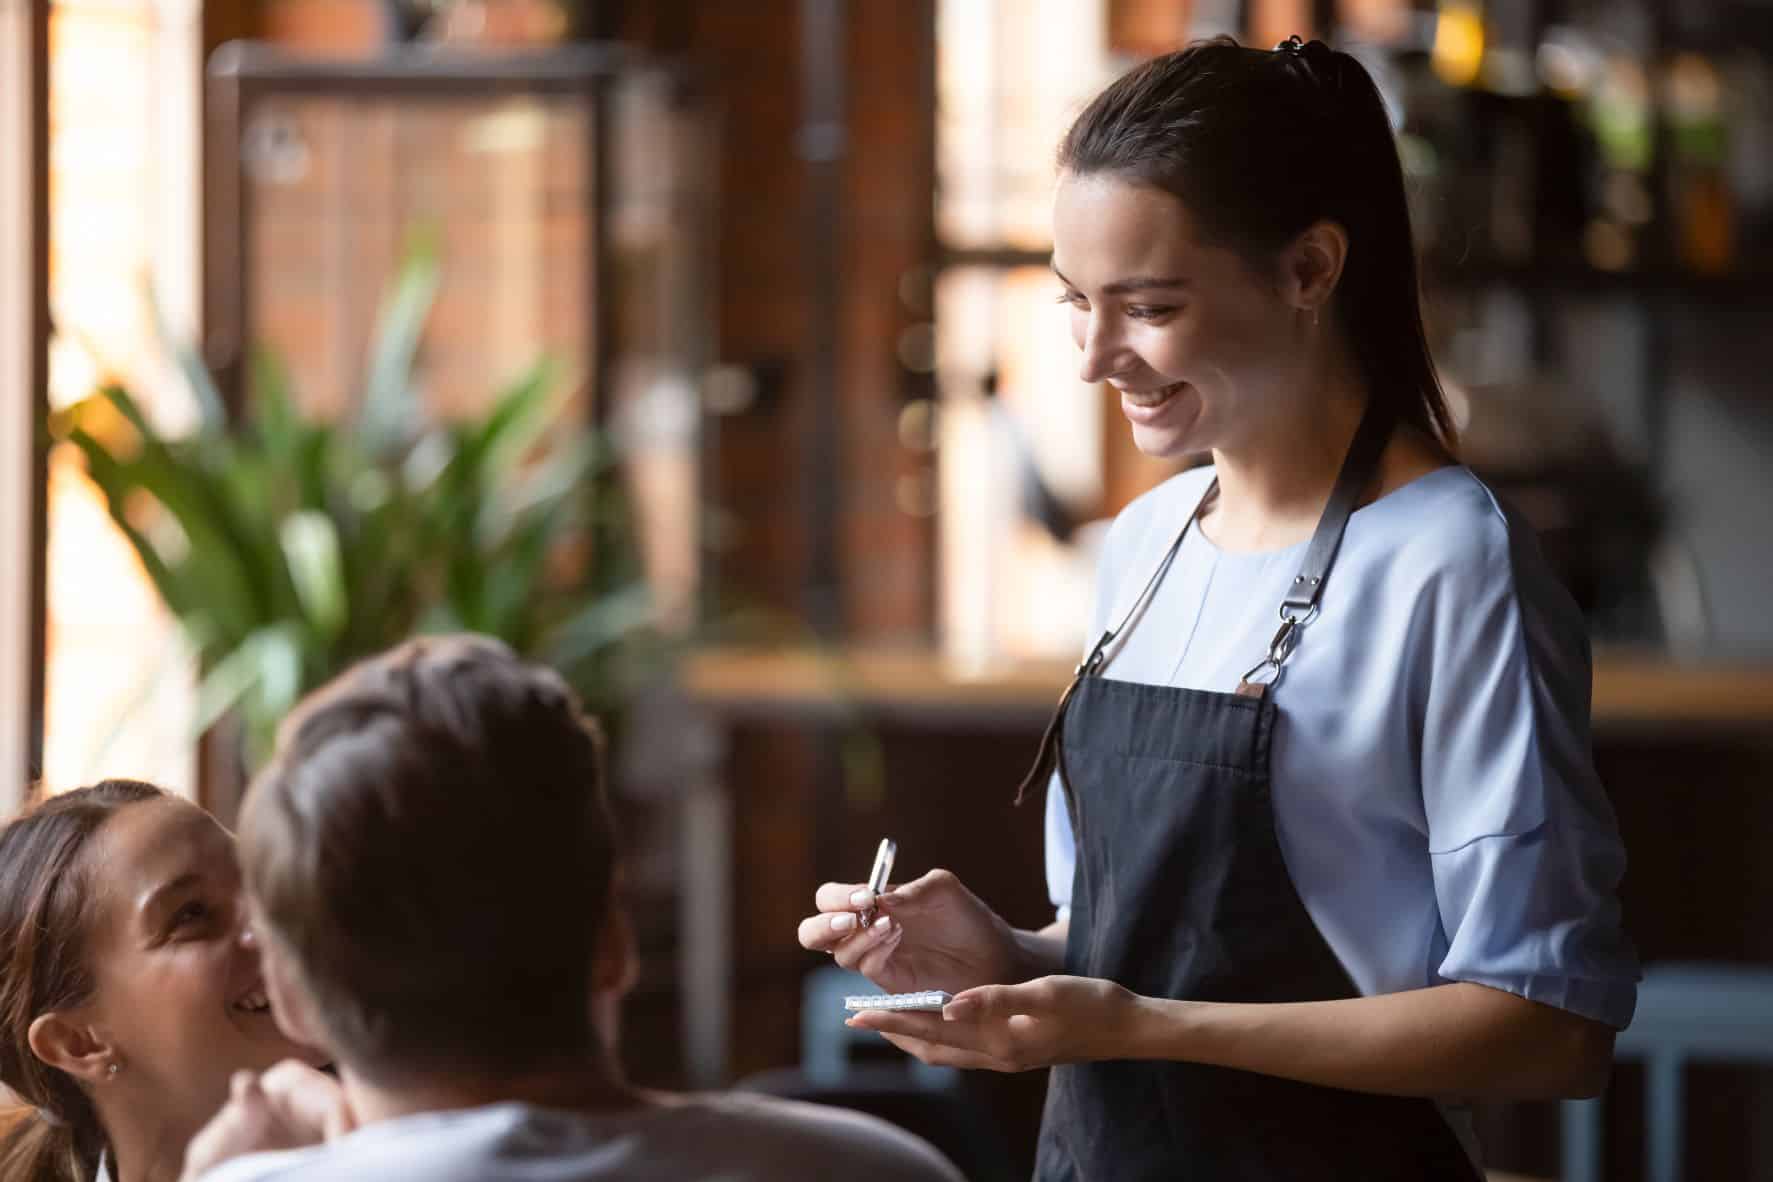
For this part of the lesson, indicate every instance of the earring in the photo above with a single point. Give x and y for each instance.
(111, 1071)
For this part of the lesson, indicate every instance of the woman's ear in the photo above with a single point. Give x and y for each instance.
(1313, 265)
(61, 1041)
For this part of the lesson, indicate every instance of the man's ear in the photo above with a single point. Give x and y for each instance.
(291, 1003)
(63, 1042)
(615, 967)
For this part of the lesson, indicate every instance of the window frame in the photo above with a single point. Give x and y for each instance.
(24, 336)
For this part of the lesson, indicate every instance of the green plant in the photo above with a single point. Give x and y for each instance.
(289, 546)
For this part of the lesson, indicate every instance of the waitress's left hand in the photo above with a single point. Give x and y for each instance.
(1016, 1027)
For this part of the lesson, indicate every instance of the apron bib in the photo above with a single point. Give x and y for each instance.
(1181, 892)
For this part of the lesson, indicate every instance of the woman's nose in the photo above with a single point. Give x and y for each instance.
(1101, 354)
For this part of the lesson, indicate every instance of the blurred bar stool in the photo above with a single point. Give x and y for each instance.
(928, 1101)
(1705, 1012)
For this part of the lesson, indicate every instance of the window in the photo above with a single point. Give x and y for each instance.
(1017, 425)
(124, 95)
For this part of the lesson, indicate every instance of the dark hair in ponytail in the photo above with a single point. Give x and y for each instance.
(45, 890)
(1259, 146)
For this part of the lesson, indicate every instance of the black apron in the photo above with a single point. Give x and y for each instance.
(1181, 892)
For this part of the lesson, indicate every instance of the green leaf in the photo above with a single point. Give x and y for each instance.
(262, 678)
(599, 625)
(311, 549)
(237, 565)
(387, 407)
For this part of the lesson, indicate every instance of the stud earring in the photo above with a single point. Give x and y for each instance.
(111, 1071)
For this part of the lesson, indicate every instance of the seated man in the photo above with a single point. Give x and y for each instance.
(430, 862)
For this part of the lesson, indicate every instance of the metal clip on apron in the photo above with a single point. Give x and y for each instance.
(1181, 892)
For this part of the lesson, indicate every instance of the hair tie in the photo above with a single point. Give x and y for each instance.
(50, 1118)
(1311, 52)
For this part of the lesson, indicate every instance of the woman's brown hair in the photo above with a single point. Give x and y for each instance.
(1261, 145)
(45, 894)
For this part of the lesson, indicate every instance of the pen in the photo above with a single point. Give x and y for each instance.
(879, 876)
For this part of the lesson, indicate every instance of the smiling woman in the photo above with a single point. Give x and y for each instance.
(1299, 918)
(129, 986)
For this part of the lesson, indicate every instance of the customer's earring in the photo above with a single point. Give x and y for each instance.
(111, 1071)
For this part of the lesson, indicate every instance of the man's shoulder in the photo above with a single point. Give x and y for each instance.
(792, 1131)
(736, 1136)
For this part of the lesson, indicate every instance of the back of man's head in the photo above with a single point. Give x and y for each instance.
(431, 849)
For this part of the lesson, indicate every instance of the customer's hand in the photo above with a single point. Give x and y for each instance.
(931, 933)
(288, 1107)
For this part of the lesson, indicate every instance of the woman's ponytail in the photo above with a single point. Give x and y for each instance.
(37, 1146)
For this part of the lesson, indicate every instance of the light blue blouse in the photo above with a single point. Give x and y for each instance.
(1434, 791)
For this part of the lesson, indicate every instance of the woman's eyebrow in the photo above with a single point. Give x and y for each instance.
(166, 890)
(1133, 284)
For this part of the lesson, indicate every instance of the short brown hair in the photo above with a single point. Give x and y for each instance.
(432, 845)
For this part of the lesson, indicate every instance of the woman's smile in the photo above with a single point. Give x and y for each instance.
(1145, 407)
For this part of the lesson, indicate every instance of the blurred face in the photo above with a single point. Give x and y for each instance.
(179, 993)
(1203, 350)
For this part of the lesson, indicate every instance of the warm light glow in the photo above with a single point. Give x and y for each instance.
(1458, 53)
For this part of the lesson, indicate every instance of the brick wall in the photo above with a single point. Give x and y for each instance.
(751, 56)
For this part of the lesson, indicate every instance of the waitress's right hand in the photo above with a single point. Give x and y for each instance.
(930, 933)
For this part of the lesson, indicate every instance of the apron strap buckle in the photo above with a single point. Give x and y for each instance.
(1286, 639)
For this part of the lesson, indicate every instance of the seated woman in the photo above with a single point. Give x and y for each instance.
(130, 988)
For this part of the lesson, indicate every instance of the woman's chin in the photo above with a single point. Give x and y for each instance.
(1166, 441)
(1167, 431)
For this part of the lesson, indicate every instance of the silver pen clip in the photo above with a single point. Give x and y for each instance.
(879, 877)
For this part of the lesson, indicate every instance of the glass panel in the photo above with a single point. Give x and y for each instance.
(1015, 421)
(123, 142)
(1021, 438)
(1010, 76)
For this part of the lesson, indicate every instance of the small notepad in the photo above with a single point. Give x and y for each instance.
(929, 999)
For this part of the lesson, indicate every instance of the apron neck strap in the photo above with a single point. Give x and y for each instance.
(1299, 604)
(1359, 467)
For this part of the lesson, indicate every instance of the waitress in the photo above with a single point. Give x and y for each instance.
(1323, 830)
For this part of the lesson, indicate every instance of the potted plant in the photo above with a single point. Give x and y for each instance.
(289, 545)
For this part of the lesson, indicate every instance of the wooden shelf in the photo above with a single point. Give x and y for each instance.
(1631, 691)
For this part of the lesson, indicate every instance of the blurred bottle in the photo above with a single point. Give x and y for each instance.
(1622, 118)
(1700, 202)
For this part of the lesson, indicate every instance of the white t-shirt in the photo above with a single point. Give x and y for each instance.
(712, 1138)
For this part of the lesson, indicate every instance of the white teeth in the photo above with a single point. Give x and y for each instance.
(1150, 398)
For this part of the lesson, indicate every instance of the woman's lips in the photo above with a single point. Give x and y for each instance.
(1146, 406)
